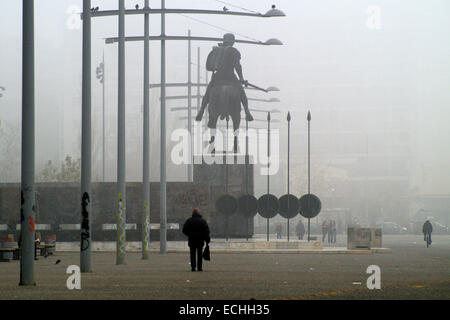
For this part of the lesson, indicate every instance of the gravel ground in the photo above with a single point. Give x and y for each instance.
(411, 271)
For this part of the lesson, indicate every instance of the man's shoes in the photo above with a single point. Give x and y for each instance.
(200, 269)
(193, 270)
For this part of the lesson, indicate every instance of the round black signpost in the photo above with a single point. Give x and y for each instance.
(268, 204)
(247, 204)
(248, 207)
(289, 205)
(226, 204)
(310, 204)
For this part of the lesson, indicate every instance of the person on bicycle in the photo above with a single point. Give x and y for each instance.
(427, 229)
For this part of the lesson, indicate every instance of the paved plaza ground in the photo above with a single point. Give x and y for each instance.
(411, 271)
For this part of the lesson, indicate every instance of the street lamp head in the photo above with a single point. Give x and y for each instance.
(309, 116)
(272, 88)
(274, 100)
(272, 42)
(274, 12)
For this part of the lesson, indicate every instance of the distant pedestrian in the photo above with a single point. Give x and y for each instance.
(427, 229)
(278, 230)
(197, 230)
(325, 229)
(333, 231)
(330, 231)
(300, 229)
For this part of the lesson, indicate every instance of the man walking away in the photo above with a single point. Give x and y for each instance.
(427, 229)
(197, 231)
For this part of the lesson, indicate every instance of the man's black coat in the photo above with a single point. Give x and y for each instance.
(427, 227)
(197, 230)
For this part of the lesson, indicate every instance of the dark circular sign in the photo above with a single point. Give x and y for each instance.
(268, 206)
(289, 206)
(226, 204)
(310, 205)
(248, 206)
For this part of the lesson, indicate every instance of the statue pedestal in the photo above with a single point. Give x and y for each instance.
(240, 181)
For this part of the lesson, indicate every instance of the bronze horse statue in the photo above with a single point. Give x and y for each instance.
(224, 103)
(225, 92)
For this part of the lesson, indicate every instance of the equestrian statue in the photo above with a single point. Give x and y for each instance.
(225, 92)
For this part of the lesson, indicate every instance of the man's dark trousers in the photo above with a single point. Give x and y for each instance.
(199, 251)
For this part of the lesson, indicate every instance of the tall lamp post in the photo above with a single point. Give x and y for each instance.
(308, 117)
(146, 144)
(100, 74)
(163, 177)
(27, 213)
(121, 158)
(85, 245)
(190, 172)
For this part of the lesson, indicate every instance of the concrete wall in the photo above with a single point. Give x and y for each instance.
(58, 206)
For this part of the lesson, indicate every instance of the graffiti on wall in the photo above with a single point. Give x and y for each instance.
(191, 199)
(120, 228)
(85, 235)
(146, 227)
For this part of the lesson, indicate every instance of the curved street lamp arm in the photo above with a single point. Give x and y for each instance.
(105, 13)
(185, 84)
(215, 39)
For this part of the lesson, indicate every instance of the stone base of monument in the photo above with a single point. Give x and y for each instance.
(230, 176)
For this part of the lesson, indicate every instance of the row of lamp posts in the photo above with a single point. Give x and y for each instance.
(163, 37)
(27, 212)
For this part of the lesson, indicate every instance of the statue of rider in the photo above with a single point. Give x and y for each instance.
(224, 72)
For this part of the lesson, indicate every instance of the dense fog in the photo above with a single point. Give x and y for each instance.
(374, 74)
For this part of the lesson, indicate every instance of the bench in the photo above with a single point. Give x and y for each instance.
(4, 254)
(11, 251)
(46, 248)
(6, 248)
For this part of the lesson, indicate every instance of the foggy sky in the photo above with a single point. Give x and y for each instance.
(330, 59)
